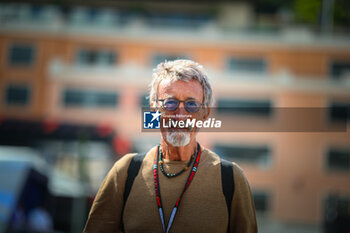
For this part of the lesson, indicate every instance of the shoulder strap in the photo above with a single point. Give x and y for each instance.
(228, 185)
(133, 170)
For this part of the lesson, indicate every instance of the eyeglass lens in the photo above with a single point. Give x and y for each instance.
(190, 105)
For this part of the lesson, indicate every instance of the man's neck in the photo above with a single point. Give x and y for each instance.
(181, 153)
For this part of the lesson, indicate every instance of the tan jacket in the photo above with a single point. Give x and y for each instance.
(202, 210)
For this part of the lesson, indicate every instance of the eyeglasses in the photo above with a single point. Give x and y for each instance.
(171, 104)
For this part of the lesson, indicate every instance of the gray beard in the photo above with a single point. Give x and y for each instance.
(178, 138)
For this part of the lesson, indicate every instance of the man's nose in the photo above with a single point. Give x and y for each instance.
(181, 109)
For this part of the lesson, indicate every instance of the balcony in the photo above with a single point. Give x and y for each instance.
(140, 76)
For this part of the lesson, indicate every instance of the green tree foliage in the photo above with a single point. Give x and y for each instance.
(308, 11)
(342, 13)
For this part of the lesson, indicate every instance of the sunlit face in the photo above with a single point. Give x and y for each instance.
(181, 90)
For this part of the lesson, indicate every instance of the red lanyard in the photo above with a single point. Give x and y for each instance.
(157, 188)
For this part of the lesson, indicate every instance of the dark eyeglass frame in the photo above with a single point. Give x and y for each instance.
(178, 104)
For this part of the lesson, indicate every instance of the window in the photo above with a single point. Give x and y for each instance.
(89, 57)
(339, 69)
(337, 212)
(338, 159)
(261, 201)
(339, 112)
(89, 98)
(36, 12)
(159, 58)
(17, 95)
(258, 155)
(244, 107)
(182, 20)
(21, 55)
(248, 65)
(87, 16)
(92, 14)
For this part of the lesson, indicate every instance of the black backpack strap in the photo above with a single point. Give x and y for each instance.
(228, 185)
(133, 170)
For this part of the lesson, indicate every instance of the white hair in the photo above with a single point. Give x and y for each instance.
(178, 138)
(185, 70)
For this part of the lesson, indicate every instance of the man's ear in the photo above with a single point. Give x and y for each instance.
(153, 106)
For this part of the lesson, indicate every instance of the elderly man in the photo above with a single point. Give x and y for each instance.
(178, 186)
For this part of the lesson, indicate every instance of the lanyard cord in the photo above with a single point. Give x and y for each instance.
(157, 188)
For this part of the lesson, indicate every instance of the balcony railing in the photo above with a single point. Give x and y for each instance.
(138, 75)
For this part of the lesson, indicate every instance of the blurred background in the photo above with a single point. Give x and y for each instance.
(74, 76)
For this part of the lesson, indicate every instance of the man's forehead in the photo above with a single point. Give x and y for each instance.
(191, 87)
(171, 83)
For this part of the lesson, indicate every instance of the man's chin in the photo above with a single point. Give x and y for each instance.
(177, 138)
